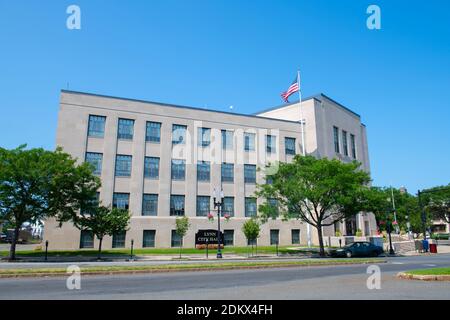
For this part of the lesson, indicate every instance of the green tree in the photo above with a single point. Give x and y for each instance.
(36, 184)
(251, 229)
(437, 202)
(317, 191)
(102, 221)
(181, 228)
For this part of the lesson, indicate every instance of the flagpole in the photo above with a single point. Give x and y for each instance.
(308, 226)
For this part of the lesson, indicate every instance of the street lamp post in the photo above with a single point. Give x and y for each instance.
(403, 191)
(218, 202)
(388, 226)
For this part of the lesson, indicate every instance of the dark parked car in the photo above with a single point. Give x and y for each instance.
(358, 249)
(2, 237)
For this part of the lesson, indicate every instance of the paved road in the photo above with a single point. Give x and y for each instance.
(326, 282)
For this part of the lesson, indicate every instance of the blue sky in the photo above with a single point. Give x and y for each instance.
(242, 53)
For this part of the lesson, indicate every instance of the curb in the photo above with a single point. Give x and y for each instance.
(172, 270)
(429, 277)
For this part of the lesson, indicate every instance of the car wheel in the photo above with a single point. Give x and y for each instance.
(348, 254)
(375, 254)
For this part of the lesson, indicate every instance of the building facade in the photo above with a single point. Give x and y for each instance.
(161, 161)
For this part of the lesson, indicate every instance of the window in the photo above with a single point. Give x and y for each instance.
(123, 166)
(151, 168)
(153, 132)
(249, 141)
(336, 139)
(274, 236)
(126, 129)
(178, 134)
(204, 137)
(227, 172)
(86, 239)
(228, 237)
(150, 205)
(249, 173)
(250, 207)
(203, 206)
(227, 139)
(118, 240)
(252, 242)
(121, 200)
(96, 126)
(273, 203)
(95, 159)
(178, 169)
(344, 142)
(269, 179)
(148, 239)
(177, 240)
(352, 141)
(176, 205)
(270, 144)
(295, 236)
(228, 206)
(203, 171)
(289, 146)
(92, 202)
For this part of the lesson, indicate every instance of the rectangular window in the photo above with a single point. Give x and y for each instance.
(344, 142)
(95, 159)
(274, 236)
(228, 237)
(92, 202)
(203, 206)
(150, 205)
(353, 144)
(96, 126)
(178, 170)
(118, 240)
(295, 236)
(271, 144)
(336, 139)
(249, 141)
(252, 242)
(289, 146)
(153, 132)
(227, 172)
(203, 171)
(126, 129)
(121, 200)
(176, 205)
(227, 139)
(273, 203)
(228, 206)
(204, 137)
(123, 166)
(178, 134)
(250, 207)
(86, 239)
(151, 168)
(249, 173)
(148, 239)
(177, 240)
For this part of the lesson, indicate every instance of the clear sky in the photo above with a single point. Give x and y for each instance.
(243, 53)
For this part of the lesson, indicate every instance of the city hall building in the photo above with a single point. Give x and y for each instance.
(161, 161)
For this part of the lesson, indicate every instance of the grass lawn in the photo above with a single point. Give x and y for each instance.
(156, 251)
(185, 267)
(433, 271)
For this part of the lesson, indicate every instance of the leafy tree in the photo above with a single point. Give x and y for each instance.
(251, 229)
(181, 228)
(437, 202)
(317, 191)
(36, 184)
(102, 221)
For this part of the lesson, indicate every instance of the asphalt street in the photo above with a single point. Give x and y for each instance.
(324, 282)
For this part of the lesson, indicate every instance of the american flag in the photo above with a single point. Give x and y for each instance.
(293, 88)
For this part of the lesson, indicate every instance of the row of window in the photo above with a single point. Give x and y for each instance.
(345, 147)
(148, 238)
(178, 168)
(96, 128)
(177, 205)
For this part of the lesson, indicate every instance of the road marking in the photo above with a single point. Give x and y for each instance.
(397, 262)
(430, 265)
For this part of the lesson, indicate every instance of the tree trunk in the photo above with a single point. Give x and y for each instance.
(319, 233)
(100, 248)
(12, 250)
(181, 246)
